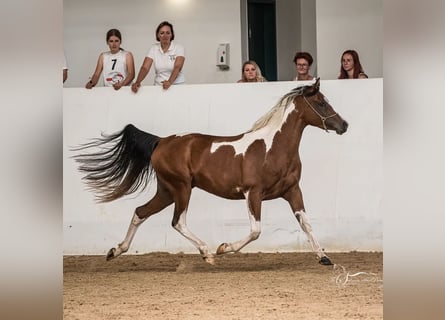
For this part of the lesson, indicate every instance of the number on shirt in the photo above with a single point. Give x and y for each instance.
(114, 63)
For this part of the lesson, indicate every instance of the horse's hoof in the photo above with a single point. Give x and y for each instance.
(222, 248)
(325, 261)
(110, 254)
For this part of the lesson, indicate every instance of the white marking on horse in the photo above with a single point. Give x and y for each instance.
(255, 230)
(266, 134)
(255, 227)
(125, 244)
(182, 228)
(305, 225)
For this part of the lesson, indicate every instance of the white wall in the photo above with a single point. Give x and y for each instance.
(200, 25)
(349, 24)
(341, 178)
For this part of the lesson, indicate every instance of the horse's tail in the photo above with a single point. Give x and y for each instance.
(122, 165)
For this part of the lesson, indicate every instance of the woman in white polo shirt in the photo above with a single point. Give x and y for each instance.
(167, 57)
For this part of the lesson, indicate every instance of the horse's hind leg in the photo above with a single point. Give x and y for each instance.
(156, 204)
(182, 198)
(295, 199)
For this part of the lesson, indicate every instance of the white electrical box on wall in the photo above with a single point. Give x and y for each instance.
(222, 56)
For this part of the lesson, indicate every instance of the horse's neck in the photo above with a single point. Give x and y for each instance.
(290, 133)
(285, 134)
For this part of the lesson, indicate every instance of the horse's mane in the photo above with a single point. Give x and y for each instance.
(279, 109)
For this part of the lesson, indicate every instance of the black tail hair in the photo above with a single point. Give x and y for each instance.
(121, 167)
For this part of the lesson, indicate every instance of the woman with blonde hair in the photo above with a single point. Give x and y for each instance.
(251, 72)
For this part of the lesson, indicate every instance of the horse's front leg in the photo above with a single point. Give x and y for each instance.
(307, 228)
(295, 199)
(254, 210)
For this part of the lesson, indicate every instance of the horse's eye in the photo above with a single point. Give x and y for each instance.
(321, 103)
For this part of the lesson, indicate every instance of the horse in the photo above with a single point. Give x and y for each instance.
(260, 164)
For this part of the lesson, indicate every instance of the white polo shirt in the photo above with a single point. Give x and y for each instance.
(163, 63)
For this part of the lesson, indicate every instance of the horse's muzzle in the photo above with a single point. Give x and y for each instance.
(342, 128)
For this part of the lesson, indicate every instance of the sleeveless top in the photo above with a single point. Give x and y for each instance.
(114, 67)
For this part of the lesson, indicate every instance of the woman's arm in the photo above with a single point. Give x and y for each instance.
(95, 78)
(65, 75)
(177, 67)
(145, 68)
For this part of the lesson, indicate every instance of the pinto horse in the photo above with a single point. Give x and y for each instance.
(260, 164)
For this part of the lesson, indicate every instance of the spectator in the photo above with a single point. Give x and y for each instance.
(167, 57)
(251, 72)
(351, 67)
(303, 62)
(116, 65)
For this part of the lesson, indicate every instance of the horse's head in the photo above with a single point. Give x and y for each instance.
(319, 112)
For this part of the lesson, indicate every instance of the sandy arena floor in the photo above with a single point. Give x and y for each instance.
(240, 286)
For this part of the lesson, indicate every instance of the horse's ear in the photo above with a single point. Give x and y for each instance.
(313, 89)
(317, 85)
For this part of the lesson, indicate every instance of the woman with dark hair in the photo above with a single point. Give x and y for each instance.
(303, 62)
(351, 68)
(116, 65)
(251, 72)
(167, 57)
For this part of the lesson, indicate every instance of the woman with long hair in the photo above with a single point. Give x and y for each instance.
(251, 72)
(351, 68)
(116, 65)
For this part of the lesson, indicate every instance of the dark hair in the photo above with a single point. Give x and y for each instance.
(304, 55)
(162, 24)
(114, 32)
(358, 69)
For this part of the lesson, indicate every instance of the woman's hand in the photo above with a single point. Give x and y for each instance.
(89, 85)
(166, 84)
(135, 87)
(117, 85)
